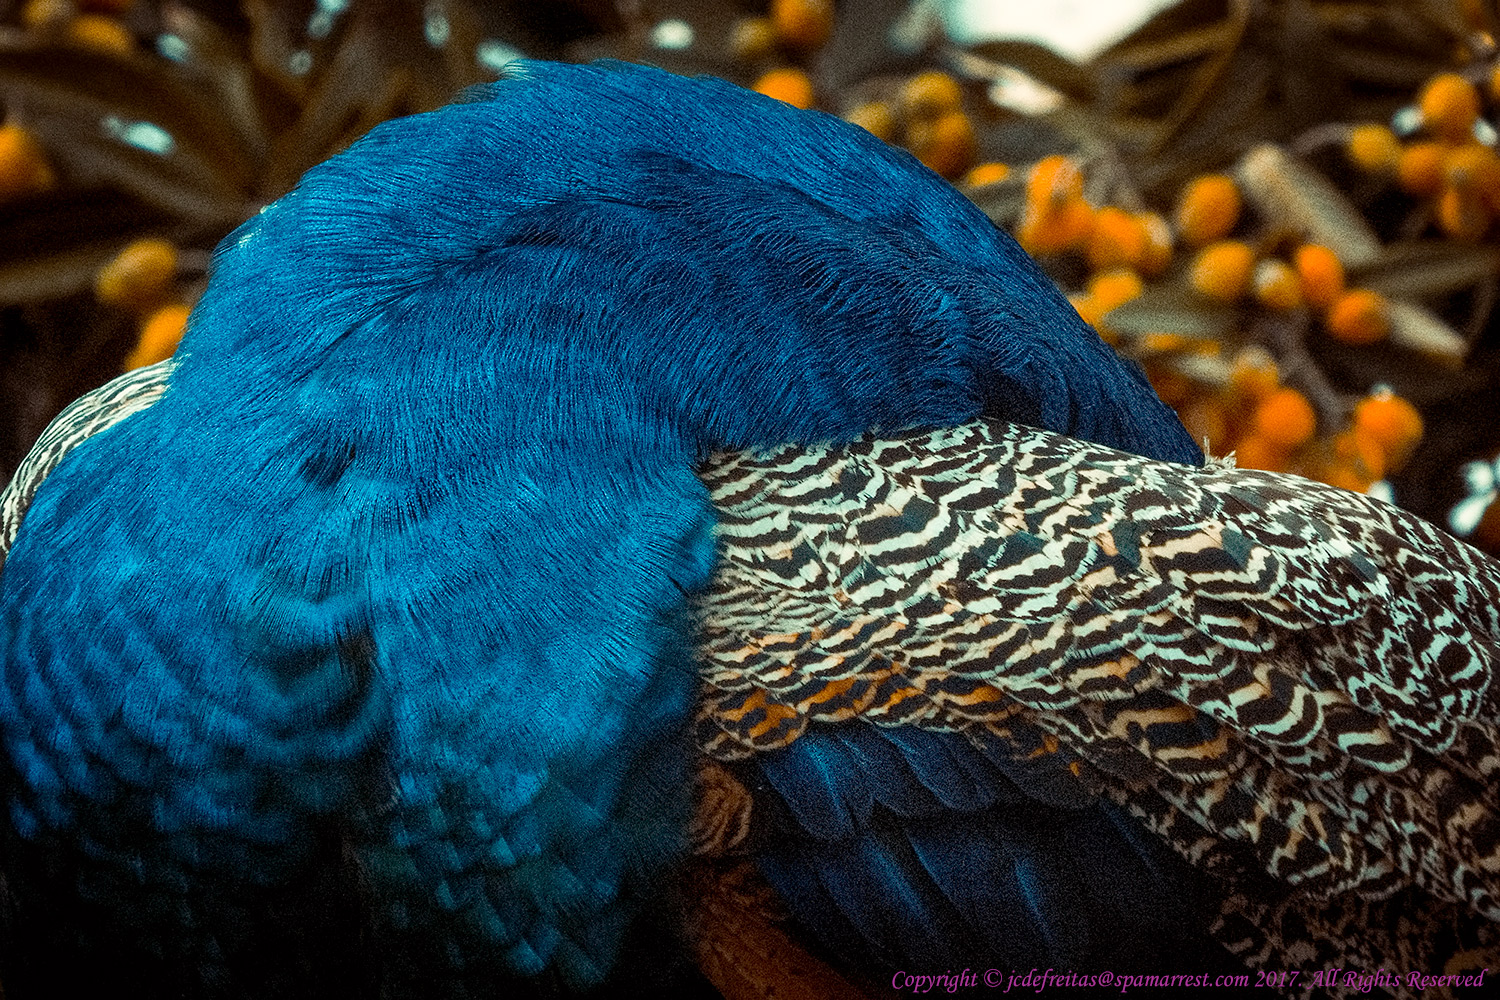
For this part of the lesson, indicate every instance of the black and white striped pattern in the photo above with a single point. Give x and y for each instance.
(1238, 657)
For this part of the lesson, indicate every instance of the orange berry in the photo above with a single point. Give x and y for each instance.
(752, 38)
(945, 145)
(1320, 274)
(1253, 373)
(1076, 221)
(1277, 285)
(876, 118)
(23, 166)
(802, 24)
(1040, 232)
(1374, 148)
(930, 94)
(160, 335)
(1158, 253)
(1420, 169)
(1222, 270)
(1117, 240)
(1052, 181)
(1359, 450)
(1495, 83)
(139, 277)
(1359, 316)
(1050, 229)
(1113, 289)
(1462, 215)
(1208, 209)
(1473, 167)
(987, 173)
(95, 31)
(1255, 452)
(1449, 104)
(787, 84)
(1392, 423)
(1285, 418)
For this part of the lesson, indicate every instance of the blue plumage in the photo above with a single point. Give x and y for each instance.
(937, 856)
(401, 560)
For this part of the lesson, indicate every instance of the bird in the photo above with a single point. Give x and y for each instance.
(616, 488)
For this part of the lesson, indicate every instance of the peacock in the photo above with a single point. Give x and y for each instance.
(617, 488)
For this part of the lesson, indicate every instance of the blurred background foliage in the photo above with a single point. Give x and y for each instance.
(1285, 209)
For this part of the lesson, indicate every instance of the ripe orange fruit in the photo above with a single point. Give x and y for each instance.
(1115, 288)
(160, 335)
(1055, 229)
(1374, 148)
(1420, 169)
(1285, 418)
(945, 145)
(139, 277)
(1359, 316)
(987, 173)
(1255, 452)
(876, 118)
(1277, 285)
(1449, 104)
(1208, 209)
(752, 38)
(802, 24)
(1462, 215)
(1052, 181)
(787, 84)
(930, 94)
(23, 165)
(1158, 244)
(1222, 270)
(1253, 373)
(1320, 274)
(1118, 239)
(1392, 423)
(96, 31)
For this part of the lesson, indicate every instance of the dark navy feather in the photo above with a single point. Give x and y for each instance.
(923, 875)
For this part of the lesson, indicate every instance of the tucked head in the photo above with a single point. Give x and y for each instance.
(617, 233)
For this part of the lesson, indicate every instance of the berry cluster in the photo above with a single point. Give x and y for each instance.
(1233, 400)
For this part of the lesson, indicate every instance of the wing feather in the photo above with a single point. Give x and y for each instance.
(1238, 658)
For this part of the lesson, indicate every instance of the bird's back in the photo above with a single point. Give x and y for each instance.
(402, 558)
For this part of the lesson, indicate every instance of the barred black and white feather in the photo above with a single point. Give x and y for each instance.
(1255, 665)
